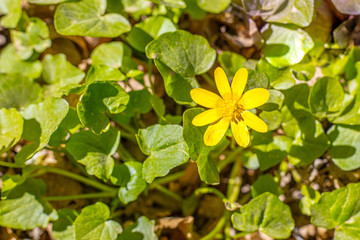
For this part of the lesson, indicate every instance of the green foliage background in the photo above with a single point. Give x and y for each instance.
(97, 92)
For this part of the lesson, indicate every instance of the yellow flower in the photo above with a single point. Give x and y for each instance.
(230, 109)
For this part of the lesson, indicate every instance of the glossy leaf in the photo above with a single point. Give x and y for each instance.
(267, 214)
(142, 229)
(94, 151)
(18, 91)
(110, 54)
(37, 127)
(166, 148)
(213, 6)
(11, 127)
(63, 228)
(183, 52)
(350, 7)
(87, 18)
(286, 45)
(12, 10)
(265, 183)
(99, 100)
(93, 224)
(345, 146)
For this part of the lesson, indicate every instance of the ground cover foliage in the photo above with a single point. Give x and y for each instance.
(96, 132)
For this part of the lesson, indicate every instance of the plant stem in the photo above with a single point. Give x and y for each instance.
(166, 191)
(208, 79)
(219, 226)
(169, 178)
(229, 159)
(87, 181)
(205, 190)
(129, 136)
(80, 196)
(125, 153)
(79, 178)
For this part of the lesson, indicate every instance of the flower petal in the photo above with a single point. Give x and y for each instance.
(216, 131)
(222, 83)
(254, 98)
(254, 122)
(238, 83)
(241, 133)
(205, 118)
(204, 97)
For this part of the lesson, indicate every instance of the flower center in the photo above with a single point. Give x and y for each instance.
(229, 108)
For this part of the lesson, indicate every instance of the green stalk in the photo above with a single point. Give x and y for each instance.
(80, 196)
(166, 191)
(149, 75)
(230, 158)
(206, 190)
(208, 79)
(169, 178)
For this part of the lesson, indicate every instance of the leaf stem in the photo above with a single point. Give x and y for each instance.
(169, 178)
(208, 79)
(125, 153)
(229, 159)
(80, 196)
(150, 75)
(206, 190)
(166, 191)
(87, 181)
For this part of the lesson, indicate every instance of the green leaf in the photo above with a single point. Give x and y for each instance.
(111, 54)
(231, 62)
(345, 146)
(63, 228)
(271, 151)
(145, 31)
(213, 6)
(272, 119)
(171, 3)
(166, 148)
(326, 96)
(70, 122)
(11, 127)
(280, 79)
(88, 18)
(311, 197)
(104, 73)
(139, 103)
(143, 229)
(24, 207)
(46, 2)
(134, 185)
(37, 126)
(158, 105)
(275, 101)
(93, 224)
(350, 7)
(267, 214)
(177, 86)
(256, 80)
(10, 62)
(349, 230)
(12, 10)
(194, 10)
(265, 183)
(35, 39)
(286, 45)
(94, 151)
(60, 74)
(199, 152)
(183, 52)
(99, 100)
(337, 207)
(17, 91)
(296, 12)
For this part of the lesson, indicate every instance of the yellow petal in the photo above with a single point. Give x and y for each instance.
(254, 122)
(254, 98)
(222, 83)
(206, 117)
(204, 97)
(216, 131)
(241, 133)
(238, 83)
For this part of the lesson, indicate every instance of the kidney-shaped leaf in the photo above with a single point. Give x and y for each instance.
(183, 52)
(350, 7)
(213, 6)
(101, 98)
(166, 148)
(87, 18)
(41, 120)
(286, 45)
(94, 151)
(93, 224)
(267, 214)
(337, 207)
